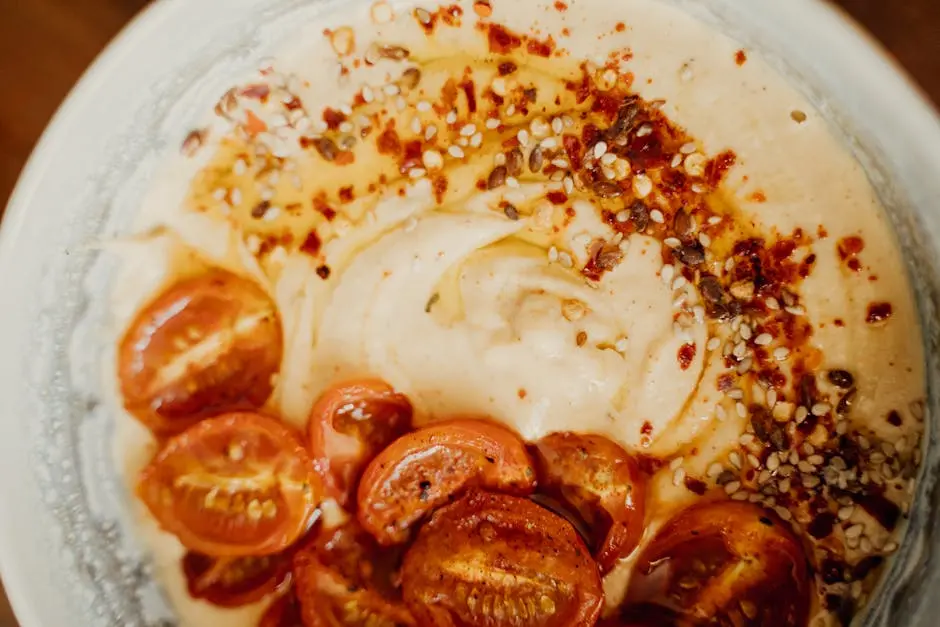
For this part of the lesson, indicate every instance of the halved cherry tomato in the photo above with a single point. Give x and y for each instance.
(602, 482)
(426, 468)
(235, 581)
(349, 425)
(283, 612)
(500, 560)
(726, 562)
(207, 345)
(236, 485)
(344, 579)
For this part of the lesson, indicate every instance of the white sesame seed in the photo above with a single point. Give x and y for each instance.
(772, 303)
(568, 184)
(781, 353)
(735, 459)
(674, 464)
(346, 127)
(678, 477)
(236, 197)
(512, 182)
(499, 86)
(644, 130)
(622, 345)
(740, 350)
(698, 312)
(667, 273)
(688, 148)
(499, 159)
(477, 140)
(552, 254)
(456, 152)
(492, 123)
(430, 132)
(695, 164)
(240, 167)
(539, 128)
(391, 89)
(720, 413)
(672, 242)
(713, 343)
(432, 160)
(732, 487)
(523, 137)
(698, 188)
(557, 126)
(891, 547)
(608, 158)
(704, 239)
(714, 470)
(745, 332)
(468, 130)
(821, 409)
(854, 531)
(796, 311)
(623, 216)
(416, 173)
(416, 125)
(740, 409)
(657, 216)
(423, 106)
(642, 186)
(560, 163)
(763, 339)
(565, 259)
(600, 149)
(736, 393)
(679, 283)
(510, 110)
(676, 161)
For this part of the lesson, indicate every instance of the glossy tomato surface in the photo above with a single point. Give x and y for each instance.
(235, 485)
(499, 560)
(726, 563)
(425, 469)
(602, 482)
(207, 345)
(349, 424)
(345, 579)
(235, 581)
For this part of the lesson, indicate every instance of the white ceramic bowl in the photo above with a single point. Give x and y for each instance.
(65, 559)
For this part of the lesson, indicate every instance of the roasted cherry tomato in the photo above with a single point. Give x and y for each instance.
(349, 425)
(726, 563)
(345, 579)
(207, 345)
(646, 615)
(500, 560)
(602, 482)
(236, 485)
(235, 581)
(283, 612)
(426, 468)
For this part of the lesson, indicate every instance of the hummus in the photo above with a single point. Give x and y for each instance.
(443, 198)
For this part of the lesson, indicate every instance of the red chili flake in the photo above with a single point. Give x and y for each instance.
(346, 195)
(648, 152)
(608, 104)
(565, 32)
(333, 118)
(560, 6)
(646, 428)
(502, 40)
(507, 67)
(319, 203)
(716, 169)
(686, 355)
(725, 382)
(557, 197)
(894, 418)
(469, 89)
(388, 141)
(740, 57)
(323, 272)
(620, 27)
(573, 148)
(878, 312)
(696, 486)
(345, 158)
(541, 48)
(522, 393)
(448, 97)
(850, 246)
(758, 197)
(439, 184)
(839, 322)
(293, 104)
(258, 92)
(581, 90)
(311, 244)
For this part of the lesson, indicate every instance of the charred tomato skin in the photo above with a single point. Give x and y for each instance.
(602, 482)
(429, 467)
(496, 559)
(349, 424)
(726, 561)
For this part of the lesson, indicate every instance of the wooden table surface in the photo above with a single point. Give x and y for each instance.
(46, 44)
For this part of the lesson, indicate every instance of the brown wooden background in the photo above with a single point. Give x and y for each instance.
(46, 44)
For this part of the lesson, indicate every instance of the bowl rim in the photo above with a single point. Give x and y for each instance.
(842, 32)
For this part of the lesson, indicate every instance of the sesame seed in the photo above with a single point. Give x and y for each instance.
(739, 496)
(622, 345)
(657, 216)
(891, 547)
(642, 186)
(740, 350)
(678, 476)
(600, 149)
(771, 398)
(854, 531)
(451, 117)
(557, 126)
(552, 254)
(783, 512)
(763, 339)
(704, 240)
(801, 414)
(456, 152)
(745, 332)
(732, 487)
(672, 242)
(416, 173)
(720, 413)
(424, 106)
(498, 86)
(432, 160)
(687, 149)
(713, 343)
(714, 470)
(391, 89)
(568, 183)
(676, 160)
(416, 125)
(781, 353)
(699, 313)
(796, 311)
(674, 464)
(523, 137)
(736, 393)
(240, 167)
(430, 132)
(667, 273)
(476, 140)
(560, 163)
(735, 459)
(499, 159)
(740, 409)
(468, 130)
(608, 158)
(644, 130)
(753, 461)
(510, 110)
(236, 197)
(492, 123)
(623, 216)
(679, 283)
